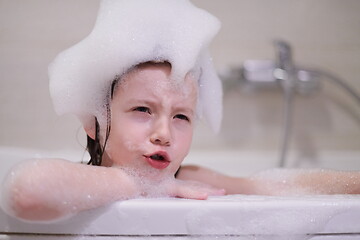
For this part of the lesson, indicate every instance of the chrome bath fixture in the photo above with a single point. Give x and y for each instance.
(291, 79)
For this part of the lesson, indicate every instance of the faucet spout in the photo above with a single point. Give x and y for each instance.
(285, 72)
(284, 53)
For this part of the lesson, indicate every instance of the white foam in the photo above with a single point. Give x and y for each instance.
(149, 183)
(130, 32)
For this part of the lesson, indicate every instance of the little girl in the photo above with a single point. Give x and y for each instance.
(151, 121)
(138, 83)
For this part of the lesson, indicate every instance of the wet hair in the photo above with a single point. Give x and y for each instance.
(96, 151)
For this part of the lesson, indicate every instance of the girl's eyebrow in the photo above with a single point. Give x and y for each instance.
(187, 110)
(175, 107)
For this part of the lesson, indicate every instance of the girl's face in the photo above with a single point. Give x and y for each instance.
(152, 121)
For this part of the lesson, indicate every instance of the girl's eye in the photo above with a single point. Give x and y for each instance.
(142, 109)
(182, 117)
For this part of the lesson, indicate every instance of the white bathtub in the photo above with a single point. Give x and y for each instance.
(229, 217)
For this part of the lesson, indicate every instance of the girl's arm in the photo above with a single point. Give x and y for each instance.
(51, 189)
(279, 181)
(48, 189)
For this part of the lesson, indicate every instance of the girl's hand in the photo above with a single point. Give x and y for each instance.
(192, 189)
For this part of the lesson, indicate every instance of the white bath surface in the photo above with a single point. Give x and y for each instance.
(236, 215)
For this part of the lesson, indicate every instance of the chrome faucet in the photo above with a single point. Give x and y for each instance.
(284, 74)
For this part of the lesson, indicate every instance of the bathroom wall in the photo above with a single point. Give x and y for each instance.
(324, 34)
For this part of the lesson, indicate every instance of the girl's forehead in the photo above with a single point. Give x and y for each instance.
(156, 78)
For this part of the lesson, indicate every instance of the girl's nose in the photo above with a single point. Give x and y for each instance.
(161, 134)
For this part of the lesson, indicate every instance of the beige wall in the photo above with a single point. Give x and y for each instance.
(325, 34)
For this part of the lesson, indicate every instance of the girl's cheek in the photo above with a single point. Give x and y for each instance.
(182, 126)
(139, 117)
(137, 128)
(184, 133)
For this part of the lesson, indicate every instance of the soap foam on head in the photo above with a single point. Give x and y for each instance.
(129, 32)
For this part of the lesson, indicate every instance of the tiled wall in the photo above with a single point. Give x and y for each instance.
(324, 34)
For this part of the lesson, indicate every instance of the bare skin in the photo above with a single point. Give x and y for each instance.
(50, 189)
(278, 181)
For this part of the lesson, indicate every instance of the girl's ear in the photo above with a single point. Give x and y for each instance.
(90, 131)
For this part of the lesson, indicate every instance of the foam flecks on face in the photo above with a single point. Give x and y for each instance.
(129, 32)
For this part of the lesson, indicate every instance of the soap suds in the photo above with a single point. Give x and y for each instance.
(149, 183)
(127, 33)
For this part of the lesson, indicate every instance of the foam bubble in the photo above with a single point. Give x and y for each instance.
(130, 32)
(149, 183)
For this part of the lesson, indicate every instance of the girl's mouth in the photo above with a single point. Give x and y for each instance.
(158, 160)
